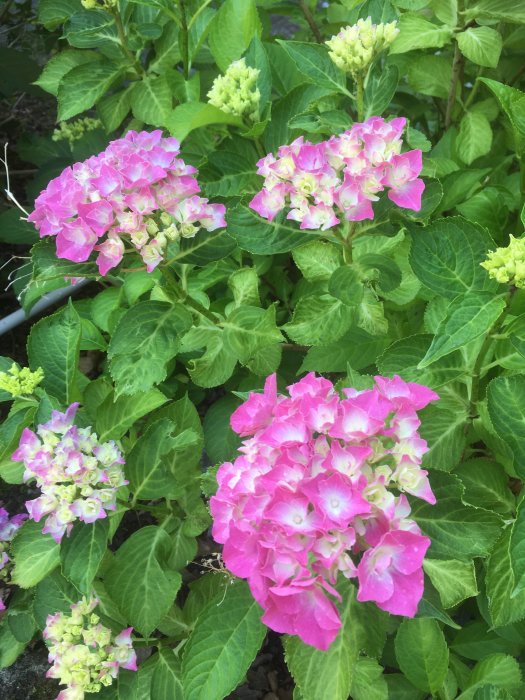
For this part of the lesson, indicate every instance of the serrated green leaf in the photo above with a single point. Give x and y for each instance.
(517, 549)
(507, 412)
(248, 329)
(192, 115)
(256, 235)
(481, 45)
(454, 580)
(486, 485)
(60, 64)
(317, 260)
(114, 416)
(368, 682)
(83, 85)
(315, 64)
(145, 339)
(113, 109)
(239, 22)
(475, 136)
(319, 320)
(165, 682)
(35, 555)
(416, 32)
(422, 653)
(226, 637)
(139, 579)
(497, 669)
(82, 553)
(151, 100)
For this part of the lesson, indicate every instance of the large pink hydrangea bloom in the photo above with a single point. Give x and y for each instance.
(318, 490)
(115, 200)
(322, 183)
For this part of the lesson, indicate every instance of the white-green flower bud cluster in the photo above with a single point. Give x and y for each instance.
(507, 265)
(20, 382)
(355, 47)
(236, 91)
(99, 5)
(73, 131)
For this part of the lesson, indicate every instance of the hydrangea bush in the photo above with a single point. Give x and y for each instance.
(281, 413)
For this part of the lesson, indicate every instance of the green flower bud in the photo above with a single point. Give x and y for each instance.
(507, 265)
(236, 91)
(20, 382)
(355, 47)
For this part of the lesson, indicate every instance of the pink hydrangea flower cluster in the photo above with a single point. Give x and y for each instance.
(84, 654)
(8, 529)
(137, 192)
(78, 476)
(340, 178)
(320, 489)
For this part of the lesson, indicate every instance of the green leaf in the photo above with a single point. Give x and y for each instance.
(244, 284)
(345, 284)
(54, 345)
(205, 247)
(232, 30)
(469, 316)
(512, 101)
(235, 174)
(404, 356)
(446, 256)
(10, 432)
(220, 441)
(457, 531)
(517, 549)
(507, 412)
(481, 45)
(443, 427)
(256, 57)
(486, 485)
(454, 580)
(145, 339)
(151, 100)
(82, 553)
(380, 89)
(53, 594)
(317, 260)
(415, 32)
(316, 65)
(147, 465)
(10, 647)
(215, 366)
(506, 604)
(256, 235)
(115, 416)
(60, 64)
(476, 641)
(330, 673)
(165, 682)
(506, 10)
(356, 348)
(248, 329)
(20, 616)
(139, 580)
(83, 85)
(51, 13)
(95, 28)
(368, 682)
(35, 555)
(226, 637)
(498, 669)
(113, 109)
(192, 115)
(422, 653)
(475, 136)
(319, 320)
(430, 75)
(167, 49)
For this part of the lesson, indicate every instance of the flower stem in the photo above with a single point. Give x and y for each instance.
(311, 21)
(360, 96)
(184, 40)
(179, 294)
(122, 40)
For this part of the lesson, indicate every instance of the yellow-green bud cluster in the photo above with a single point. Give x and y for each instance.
(507, 265)
(355, 47)
(236, 91)
(99, 4)
(73, 131)
(20, 382)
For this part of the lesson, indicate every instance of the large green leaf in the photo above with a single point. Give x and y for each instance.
(368, 682)
(454, 580)
(54, 345)
(53, 12)
(232, 30)
(319, 320)
(416, 32)
(446, 256)
(517, 549)
(329, 673)
(506, 601)
(82, 553)
(145, 339)
(512, 101)
(248, 329)
(506, 405)
(256, 235)
(486, 485)
(422, 653)
(474, 138)
(315, 64)
(226, 637)
(481, 45)
(60, 64)
(139, 579)
(35, 555)
(147, 465)
(151, 100)
(469, 316)
(498, 670)
(443, 427)
(114, 416)
(506, 10)
(165, 682)
(192, 115)
(317, 260)
(457, 531)
(83, 85)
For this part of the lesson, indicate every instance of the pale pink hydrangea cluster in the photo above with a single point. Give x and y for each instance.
(84, 653)
(320, 489)
(8, 529)
(340, 178)
(136, 192)
(78, 476)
